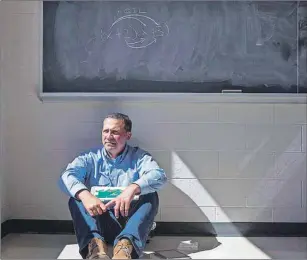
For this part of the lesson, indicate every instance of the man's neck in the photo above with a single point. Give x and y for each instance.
(111, 155)
(114, 156)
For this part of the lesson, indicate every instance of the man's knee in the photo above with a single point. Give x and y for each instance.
(149, 203)
(152, 198)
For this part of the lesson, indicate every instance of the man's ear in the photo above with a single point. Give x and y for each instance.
(129, 134)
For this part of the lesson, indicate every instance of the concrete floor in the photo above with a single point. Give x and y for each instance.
(34, 246)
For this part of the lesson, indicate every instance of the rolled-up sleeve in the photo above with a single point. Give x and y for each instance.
(72, 180)
(152, 177)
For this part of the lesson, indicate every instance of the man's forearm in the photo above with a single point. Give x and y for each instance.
(82, 194)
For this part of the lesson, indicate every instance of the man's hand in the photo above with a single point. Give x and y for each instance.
(123, 201)
(92, 204)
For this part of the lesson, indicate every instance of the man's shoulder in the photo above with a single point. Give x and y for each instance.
(137, 151)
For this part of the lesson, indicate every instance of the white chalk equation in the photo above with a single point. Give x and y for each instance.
(135, 28)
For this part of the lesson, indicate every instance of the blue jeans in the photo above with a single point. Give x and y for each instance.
(136, 227)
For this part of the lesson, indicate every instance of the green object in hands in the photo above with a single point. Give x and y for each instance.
(108, 193)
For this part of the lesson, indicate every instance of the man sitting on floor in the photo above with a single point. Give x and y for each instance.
(123, 222)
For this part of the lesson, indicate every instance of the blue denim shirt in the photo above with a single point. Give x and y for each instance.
(97, 168)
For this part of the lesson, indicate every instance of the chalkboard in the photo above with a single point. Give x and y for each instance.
(174, 46)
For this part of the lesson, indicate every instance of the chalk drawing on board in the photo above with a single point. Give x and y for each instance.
(141, 36)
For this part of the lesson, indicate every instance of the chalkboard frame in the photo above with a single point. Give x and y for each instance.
(225, 95)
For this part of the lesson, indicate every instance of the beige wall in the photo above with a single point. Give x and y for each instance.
(3, 181)
(225, 162)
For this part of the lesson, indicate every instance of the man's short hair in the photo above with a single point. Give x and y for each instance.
(125, 118)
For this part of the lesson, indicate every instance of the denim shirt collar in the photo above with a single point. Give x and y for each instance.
(119, 158)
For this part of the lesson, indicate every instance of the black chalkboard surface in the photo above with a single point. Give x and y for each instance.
(174, 46)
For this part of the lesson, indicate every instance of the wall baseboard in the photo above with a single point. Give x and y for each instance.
(247, 229)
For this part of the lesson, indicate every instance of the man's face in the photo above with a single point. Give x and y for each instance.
(114, 135)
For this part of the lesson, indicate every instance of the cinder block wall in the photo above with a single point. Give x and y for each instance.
(225, 162)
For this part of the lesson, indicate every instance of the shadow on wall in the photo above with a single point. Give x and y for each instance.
(230, 185)
(188, 199)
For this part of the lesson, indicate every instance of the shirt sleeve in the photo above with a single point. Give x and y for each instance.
(152, 177)
(72, 180)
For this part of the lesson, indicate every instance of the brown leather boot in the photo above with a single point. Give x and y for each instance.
(97, 249)
(123, 249)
